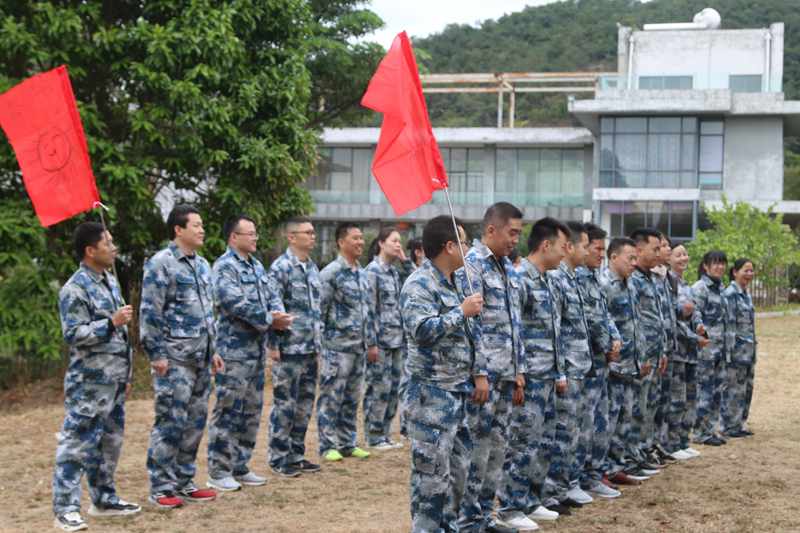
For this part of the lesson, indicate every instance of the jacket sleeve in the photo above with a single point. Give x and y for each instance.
(76, 320)
(231, 297)
(152, 322)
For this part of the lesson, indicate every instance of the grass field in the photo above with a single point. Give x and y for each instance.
(748, 485)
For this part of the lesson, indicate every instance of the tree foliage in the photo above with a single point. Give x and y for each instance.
(742, 230)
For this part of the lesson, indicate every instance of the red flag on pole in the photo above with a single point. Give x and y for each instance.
(40, 119)
(407, 164)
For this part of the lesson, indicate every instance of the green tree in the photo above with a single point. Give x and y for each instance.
(742, 230)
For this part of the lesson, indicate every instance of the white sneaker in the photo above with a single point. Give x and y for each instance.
(680, 455)
(118, 508)
(691, 452)
(518, 521)
(647, 472)
(576, 494)
(381, 446)
(395, 444)
(543, 513)
(224, 484)
(251, 479)
(604, 491)
(72, 521)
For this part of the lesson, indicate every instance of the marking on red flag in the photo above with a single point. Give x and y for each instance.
(54, 149)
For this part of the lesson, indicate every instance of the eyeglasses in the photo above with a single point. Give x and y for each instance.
(252, 234)
(309, 232)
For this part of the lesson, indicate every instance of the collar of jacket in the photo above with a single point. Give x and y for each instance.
(178, 253)
(97, 277)
(342, 261)
(531, 269)
(249, 260)
(711, 282)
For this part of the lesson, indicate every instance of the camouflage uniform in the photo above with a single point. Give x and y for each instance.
(405, 269)
(90, 439)
(594, 421)
(623, 375)
(713, 311)
(664, 397)
(682, 369)
(652, 342)
(571, 447)
(294, 378)
(176, 322)
(497, 335)
(243, 298)
(441, 363)
(533, 424)
(349, 331)
(743, 357)
(383, 376)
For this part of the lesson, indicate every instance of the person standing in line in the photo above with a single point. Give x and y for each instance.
(446, 374)
(384, 372)
(712, 307)
(94, 321)
(178, 334)
(294, 353)
(246, 314)
(738, 392)
(349, 339)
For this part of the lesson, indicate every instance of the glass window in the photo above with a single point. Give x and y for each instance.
(665, 83)
(711, 127)
(505, 172)
(342, 169)
(675, 219)
(630, 125)
(745, 83)
(362, 172)
(680, 220)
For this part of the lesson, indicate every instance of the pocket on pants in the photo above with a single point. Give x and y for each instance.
(426, 456)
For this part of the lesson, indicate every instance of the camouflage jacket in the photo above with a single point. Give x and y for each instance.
(743, 325)
(622, 307)
(648, 302)
(602, 329)
(686, 337)
(244, 306)
(440, 347)
(98, 351)
(574, 337)
(668, 312)
(384, 301)
(346, 314)
(541, 324)
(176, 315)
(712, 307)
(299, 291)
(496, 329)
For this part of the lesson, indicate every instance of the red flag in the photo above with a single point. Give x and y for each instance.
(40, 119)
(407, 164)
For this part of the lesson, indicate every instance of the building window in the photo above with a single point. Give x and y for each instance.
(661, 152)
(539, 176)
(657, 83)
(749, 83)
(343, 175)
(466, 171)
(675, 219)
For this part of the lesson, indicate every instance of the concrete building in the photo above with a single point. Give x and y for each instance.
(693, 113)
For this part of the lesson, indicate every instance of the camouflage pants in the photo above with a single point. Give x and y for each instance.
(710, 380)
(381, 394)
(234, 423)
(623, 449)
(663, 403)
(294, 383)
(181, 409)
(735, 397)
(341, 380)
(440, 454)
(644, 409)
(595, 429)
(748, 396)
(563, 473)
(489, 427)
(533, 428)
(683, 400)
(90, 441)
(402, 396)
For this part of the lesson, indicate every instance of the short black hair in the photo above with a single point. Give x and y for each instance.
(499, 214)
(665, 237)
(179, 216)
(642, 235)
(412, 246)
(342, 229)
(437, 233)
(738, 265)
(87, 234)
(617, 244)
(298, 220)
(232, 223)
(546, 229)
(595, 232)
(711, 257)
(575, 230)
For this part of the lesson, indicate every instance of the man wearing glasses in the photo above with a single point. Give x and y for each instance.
(295, 279)
(246, 312)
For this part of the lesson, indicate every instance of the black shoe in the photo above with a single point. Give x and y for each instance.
(307, 467)
(569, 502)
(714, 441)
(494, 527)
(118, 508)
(746, 433)
(286, 471)
(561, 509)
(649, 465)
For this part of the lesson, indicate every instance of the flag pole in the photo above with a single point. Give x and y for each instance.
(458, 237)
(105, 228)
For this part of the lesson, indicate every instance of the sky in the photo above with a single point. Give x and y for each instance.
(420, 18)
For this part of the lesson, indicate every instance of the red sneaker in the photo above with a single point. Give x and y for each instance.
(607, 483)
(621, 478)
(166, 500)
(194, 494)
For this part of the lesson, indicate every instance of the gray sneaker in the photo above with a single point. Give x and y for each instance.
(251, 479)
(604, 491)
(224, 484)
(72, 521)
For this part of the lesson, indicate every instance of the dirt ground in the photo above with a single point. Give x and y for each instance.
(749, 485)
